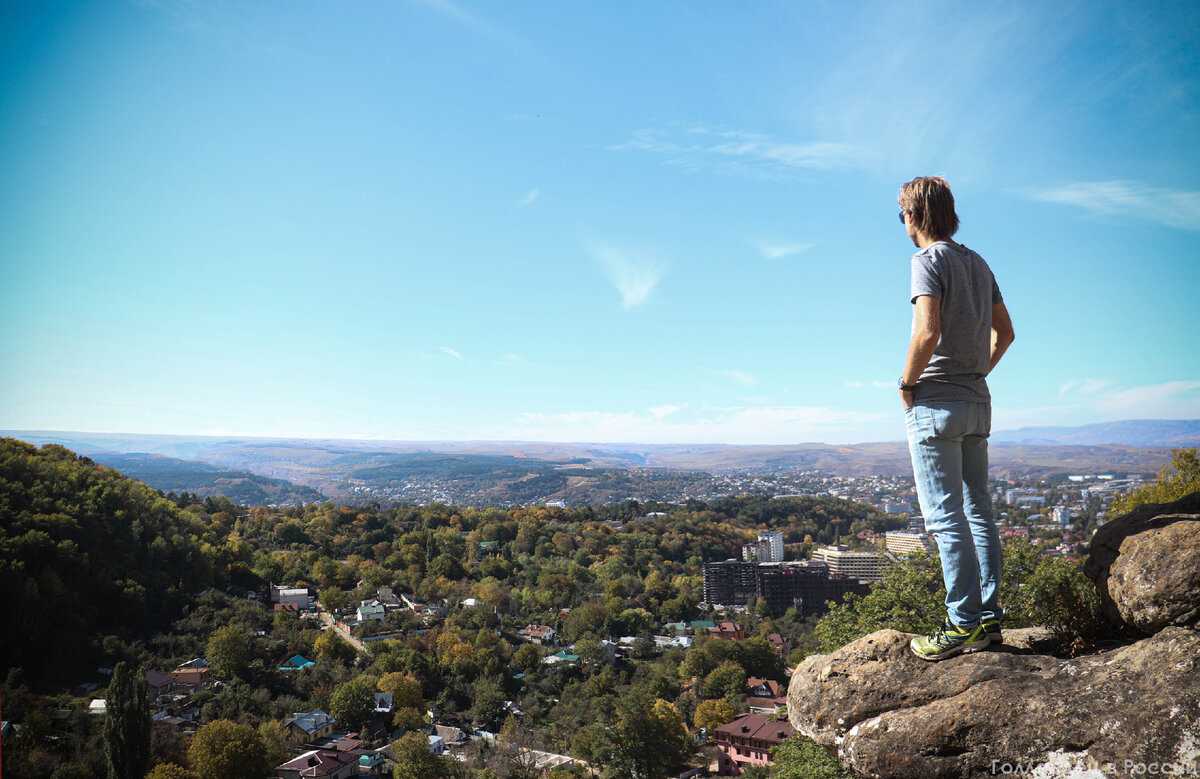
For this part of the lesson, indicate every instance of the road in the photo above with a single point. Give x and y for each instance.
(343, 632)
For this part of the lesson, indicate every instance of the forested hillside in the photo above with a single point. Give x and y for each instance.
(86, 554)
(97, 568)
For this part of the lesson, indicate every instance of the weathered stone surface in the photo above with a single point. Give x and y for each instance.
(1146, 566)
(890, 714)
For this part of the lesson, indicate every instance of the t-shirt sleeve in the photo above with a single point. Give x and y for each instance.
(996, 296)
(925, 278)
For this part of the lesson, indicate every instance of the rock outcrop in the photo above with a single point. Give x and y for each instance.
(1146, 566)
(1018, 710)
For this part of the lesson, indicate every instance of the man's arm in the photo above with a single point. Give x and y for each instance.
(1002, 332)
(927, 331)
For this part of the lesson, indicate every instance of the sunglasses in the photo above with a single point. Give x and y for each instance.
(901, 216)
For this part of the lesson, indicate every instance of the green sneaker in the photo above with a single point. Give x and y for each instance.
(992, 628)
(949, 640)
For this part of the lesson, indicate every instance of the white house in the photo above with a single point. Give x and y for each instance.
(371, 610)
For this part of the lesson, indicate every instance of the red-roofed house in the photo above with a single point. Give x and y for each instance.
(730, 631)
(322, 763)
(748, 741)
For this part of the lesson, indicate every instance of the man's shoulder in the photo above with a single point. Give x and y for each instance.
(942, 252)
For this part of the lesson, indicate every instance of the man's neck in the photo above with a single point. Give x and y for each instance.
(925, 241)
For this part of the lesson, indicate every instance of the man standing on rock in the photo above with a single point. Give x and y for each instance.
(961, 329)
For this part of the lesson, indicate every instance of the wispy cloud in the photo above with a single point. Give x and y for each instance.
(1171, 207)
(874, 383)
(1083, 387)
(741, 377)
(773, 250)
(665, 410)
(1168, 400)
(1083, 401)
(452, 352)
(530, 197)
(476, 23)
(737, 150)
(633, 273)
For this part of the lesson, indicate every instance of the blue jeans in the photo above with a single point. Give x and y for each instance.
(948, 444)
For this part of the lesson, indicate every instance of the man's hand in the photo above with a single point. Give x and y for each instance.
(906, 399)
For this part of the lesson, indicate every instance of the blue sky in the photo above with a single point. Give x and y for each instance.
(668, 222)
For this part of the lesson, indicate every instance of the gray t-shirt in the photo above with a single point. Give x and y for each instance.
(967, 290)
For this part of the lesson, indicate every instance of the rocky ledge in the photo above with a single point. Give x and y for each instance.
(1016, 710)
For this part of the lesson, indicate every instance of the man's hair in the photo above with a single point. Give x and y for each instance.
(930, 205)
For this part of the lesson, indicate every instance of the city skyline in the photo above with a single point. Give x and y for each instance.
(443, 221)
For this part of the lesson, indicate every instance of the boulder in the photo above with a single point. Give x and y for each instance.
(1146, 567)
(1006, 710)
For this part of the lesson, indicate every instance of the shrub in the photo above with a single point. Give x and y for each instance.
(1059, 596)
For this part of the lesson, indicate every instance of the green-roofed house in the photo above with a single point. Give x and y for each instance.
(297, 663)
(561, 657)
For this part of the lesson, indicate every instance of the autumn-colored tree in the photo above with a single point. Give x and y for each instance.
(713, 713)
(170, 771)
(227, 749)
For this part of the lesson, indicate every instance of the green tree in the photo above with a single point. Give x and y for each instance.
(487, 701)
(648, 737)
(228, 651)
(274, 738)
(352, 702)
(413, 760)
(1180, 478)
(227, 749)
(911, 598)
(801, 758)
(170, 771)
(127, 724)
(727, 680)
(528, 658)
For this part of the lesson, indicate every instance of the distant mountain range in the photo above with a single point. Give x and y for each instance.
(1130, 432)
(282, 471)
(170, 474)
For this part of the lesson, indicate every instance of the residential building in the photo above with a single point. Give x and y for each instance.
(320, 764)
(770, 547)
(190, 678)
(803, 584)
(1062, 515)
(901, 542)
(297, 663)
(560, 657)
(765, 696)
(748, 740)
(728, 631)
(730, 583)
(451, 736)
(767, 549)
(370, 611)
(299, 597)
(387, 596)
(304, 726)
(851, 563)
(537, 634)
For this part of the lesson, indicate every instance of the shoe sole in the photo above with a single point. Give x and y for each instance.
(958, 650)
